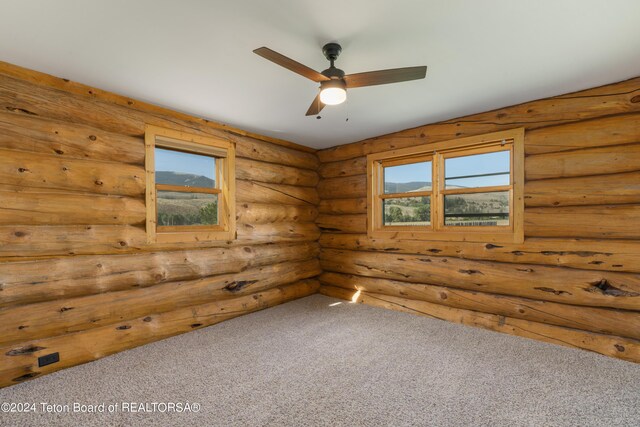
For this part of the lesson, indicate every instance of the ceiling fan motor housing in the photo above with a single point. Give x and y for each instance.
(331, 51)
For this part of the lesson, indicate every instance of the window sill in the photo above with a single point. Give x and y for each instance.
(454, 236)
(193, 236)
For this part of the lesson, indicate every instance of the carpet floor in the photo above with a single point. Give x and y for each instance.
(319, 361)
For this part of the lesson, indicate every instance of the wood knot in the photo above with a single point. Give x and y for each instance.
(147, 319)
(122, 243)
(19, 234)
(21, 110)
(63, 309)
(98, 182)
(247, 249)
(491, 246)
(58, 151)
(470, 272)
(30, 349)
(22, 170)
(608, 289)
(238, 285)
(196, 325)
(619, 347)
(635, 99)
(551, 290)
(93, 137)
(443, 295)
(124, 327)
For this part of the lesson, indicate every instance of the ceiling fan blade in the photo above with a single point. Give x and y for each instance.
(316, 106)
(383, 77)
(290, 64)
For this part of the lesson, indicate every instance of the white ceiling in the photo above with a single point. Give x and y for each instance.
(196, 55)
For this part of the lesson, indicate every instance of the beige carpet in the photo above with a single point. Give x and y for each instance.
(319, 361)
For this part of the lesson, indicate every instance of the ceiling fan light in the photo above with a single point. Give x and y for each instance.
(333, 92)
(333, 96)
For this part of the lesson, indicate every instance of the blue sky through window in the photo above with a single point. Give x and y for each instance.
(413, 172)
(177, 161)
(478, 164)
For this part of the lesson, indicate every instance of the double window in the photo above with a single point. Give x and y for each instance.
(190, 187)
(464, 189)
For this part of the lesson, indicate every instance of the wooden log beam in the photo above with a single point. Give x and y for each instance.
(609, 100)
(342, 223)
(59, 278)
(46, 171)
(262, 213)
(37, 241)
(52, 318)
(583, 162)
(598, 132)
(619, 188)
(283, 231)
(343, 187)
(613, 346)
(259, 192)
(612, 255)
(344, 168)
(20, 363)
(601, 320)
(68, 140)
(556, 284)
(597, 222)
(343, 206)
(43, 206)
(256, 170)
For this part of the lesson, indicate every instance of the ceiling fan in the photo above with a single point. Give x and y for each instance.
(333, 82)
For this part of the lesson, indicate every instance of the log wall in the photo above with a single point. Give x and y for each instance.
(574, 281)
(76, 274)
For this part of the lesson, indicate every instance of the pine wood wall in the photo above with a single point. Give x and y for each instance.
(576, 279)
(76, 274)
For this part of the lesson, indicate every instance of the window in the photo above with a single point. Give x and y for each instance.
(465, 189)
(190, 187)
